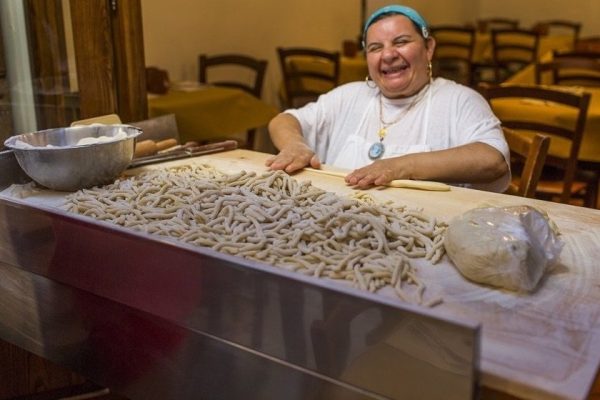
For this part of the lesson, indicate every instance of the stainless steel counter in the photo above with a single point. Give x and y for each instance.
(154, 319)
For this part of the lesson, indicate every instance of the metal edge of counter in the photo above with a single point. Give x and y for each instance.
(234, 307)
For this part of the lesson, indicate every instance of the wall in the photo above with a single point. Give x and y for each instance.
(176, 33)
(437, 12)
(529, 11)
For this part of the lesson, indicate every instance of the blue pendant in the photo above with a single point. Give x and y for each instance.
(376, 150)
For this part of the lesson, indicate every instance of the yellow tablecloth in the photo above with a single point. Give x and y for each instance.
(590, 145)
(212, 112)
(527, 75)
(353, 69)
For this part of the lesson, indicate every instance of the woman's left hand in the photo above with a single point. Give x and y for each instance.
(473, 162)
(379, 173)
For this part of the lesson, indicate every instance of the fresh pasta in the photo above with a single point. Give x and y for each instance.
(274, 218)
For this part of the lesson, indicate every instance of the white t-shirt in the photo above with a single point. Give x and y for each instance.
(342, 124)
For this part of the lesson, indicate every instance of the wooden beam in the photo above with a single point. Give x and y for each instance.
(94, 55)
(130, 68)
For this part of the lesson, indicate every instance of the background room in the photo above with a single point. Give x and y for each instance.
(173, 38)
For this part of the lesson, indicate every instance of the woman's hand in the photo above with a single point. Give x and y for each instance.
(294, 153)
(379, 173)
(474, 163)
(294, 157)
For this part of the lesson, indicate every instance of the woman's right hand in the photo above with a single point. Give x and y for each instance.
(293, 158)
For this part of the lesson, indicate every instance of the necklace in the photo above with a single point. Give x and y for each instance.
(378, 148)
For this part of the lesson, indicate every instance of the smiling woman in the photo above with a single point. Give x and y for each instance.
(388, 31)
(402, 123)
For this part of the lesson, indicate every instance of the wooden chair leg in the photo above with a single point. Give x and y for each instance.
(591, 194)
(250, 137)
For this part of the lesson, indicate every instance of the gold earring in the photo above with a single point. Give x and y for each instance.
(430, 71)
(367, 80)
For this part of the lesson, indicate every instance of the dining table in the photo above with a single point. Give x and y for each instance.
(207, 112)
(353, 68)
(185, 319)
(589, 152)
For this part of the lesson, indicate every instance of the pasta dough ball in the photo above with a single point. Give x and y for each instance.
(507, 247)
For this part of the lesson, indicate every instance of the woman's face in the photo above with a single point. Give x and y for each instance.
(398, 56)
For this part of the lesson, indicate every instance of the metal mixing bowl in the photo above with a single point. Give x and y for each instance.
(53, 157)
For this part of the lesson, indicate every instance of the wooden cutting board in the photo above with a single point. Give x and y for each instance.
(543, 345)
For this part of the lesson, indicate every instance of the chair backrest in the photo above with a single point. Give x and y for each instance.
(558, 27)
(454, 52)
(536, 119)
(488, 24)
(572, 70)
(595, 55)
(157, 80)
(512, 50)
(256, 66)
(307, 73)
(528, 154)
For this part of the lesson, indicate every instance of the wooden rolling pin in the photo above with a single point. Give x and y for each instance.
(166, 144)
(398, 183)
(145, 148)
(150, 147)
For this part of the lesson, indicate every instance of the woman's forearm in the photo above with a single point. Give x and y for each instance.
(472, 163)
(294, 153)
(285, 130)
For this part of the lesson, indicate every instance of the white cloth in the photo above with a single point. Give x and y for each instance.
(343, 123)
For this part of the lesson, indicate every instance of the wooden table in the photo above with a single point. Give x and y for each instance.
(210, 112)
(353, 69)
(590, 146)
(544, 345)
(535, 346)
(538, 346)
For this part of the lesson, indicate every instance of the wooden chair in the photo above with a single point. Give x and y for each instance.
(558, 27)
(572, 70)
(453, 52)
(307, 73)
(255, 66)
(561, 170)
(157, 80)
(594, 55)
(488, 24)
(513, 50)
(528, 154)
(235, 64)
